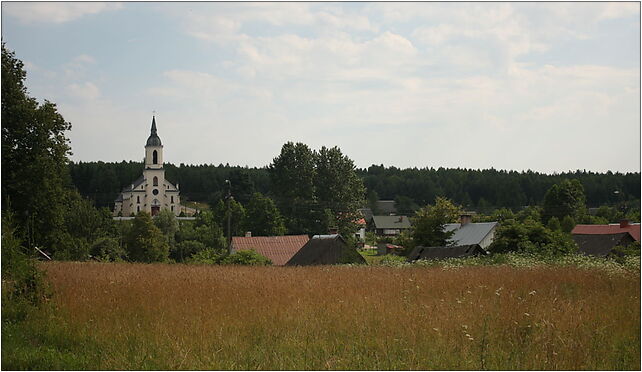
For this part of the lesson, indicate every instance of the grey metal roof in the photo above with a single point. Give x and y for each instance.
(391, 222)
(386, 206)
(470, 233)
(153, 139)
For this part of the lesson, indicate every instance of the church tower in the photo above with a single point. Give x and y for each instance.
(151, 192)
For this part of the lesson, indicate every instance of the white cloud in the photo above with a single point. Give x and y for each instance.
(85, 91)
(55, 12)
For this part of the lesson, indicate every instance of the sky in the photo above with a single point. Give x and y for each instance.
(549, 87)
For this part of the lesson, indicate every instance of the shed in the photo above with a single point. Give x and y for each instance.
(601, 245)
(326, 250)
(438, 253)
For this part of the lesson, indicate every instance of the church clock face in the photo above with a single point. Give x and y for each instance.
(155, 191)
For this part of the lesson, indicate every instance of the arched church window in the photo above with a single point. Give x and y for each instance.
(155, 181)
(155, 157)
(172, 198)
(138, 199)
(155, 191)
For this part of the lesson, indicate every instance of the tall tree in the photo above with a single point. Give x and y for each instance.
(262, 217)
(145, 241)
(35, 153)
(339, 191)
(429, 222)
(564, 199)
(292, 175)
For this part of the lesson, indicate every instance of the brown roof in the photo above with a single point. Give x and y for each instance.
(633, 229)
(279, 249)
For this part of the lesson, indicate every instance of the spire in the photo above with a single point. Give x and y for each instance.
(153, 139)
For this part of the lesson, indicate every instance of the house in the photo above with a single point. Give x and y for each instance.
(279, 249)
(468, 232)
(601, 245)
(151, 192)
(614, 228)
(438, 253)
(325, 250)
(390, 225)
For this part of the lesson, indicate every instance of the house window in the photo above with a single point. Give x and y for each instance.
(138, 199)
(155, 181)
(138, 208)
(172, 208)
(172, 199)
(155, 157)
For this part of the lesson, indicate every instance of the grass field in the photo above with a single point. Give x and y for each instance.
(136, 316)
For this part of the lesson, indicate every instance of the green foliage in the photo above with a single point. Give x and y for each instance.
(208, 232)
(108, 249)
(532, 237)
(564, 199)
(632, 249)
(34, 158)
(145, 241)
(23, 285)
(206, 256)
(245, 257)
(429, 221)
(262, 217)
(168, 225)
(567, 224)
(237, 212)
(554, 224)
(187, 249)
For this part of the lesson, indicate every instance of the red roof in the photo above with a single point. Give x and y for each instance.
(634, 230)
(279, 249)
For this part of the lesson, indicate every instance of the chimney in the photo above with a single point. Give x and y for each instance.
(400, 219)
(333, 230)
(248, 234)
(624, 223)
(465, 218)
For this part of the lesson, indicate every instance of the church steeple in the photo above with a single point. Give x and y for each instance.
(153, 139)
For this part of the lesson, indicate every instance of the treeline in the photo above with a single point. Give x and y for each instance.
(480, 190)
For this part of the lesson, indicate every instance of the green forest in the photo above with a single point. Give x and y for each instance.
(479, 190)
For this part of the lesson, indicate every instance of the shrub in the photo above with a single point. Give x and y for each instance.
(248, 257)
(184, 250)
(108, 249)
(206, 256)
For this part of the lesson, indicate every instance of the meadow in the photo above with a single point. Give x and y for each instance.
(161, 316)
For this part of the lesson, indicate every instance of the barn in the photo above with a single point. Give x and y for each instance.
(326, 250)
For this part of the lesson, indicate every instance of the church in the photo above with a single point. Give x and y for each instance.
(151, 192)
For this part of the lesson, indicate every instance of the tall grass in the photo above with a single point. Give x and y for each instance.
(136, 316)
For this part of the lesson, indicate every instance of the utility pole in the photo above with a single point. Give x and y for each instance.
(229, 216)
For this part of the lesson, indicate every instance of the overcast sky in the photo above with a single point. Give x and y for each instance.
(544, 86)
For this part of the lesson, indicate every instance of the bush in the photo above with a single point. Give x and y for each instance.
(108, 249)
(23, 285)
(184, 250)
(249, 257)
(206, 256)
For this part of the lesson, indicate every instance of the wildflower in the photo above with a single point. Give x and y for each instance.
(464, 326)
(527, 314)
(436, 329)
(532, 293)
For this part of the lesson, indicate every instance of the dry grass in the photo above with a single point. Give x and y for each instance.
(135, 316)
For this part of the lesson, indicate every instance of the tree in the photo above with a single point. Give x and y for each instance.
(246, 257)
(564, 199)
(567, 224)
(530, 236)
(554, 224)
(292, 176)
(429, 222)
(34, 158)
(145, 242)
(339, 191)
(208, 232)
(186, 249)
(108, 249)
(237, 213)
(168, 225)
(262, 217)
